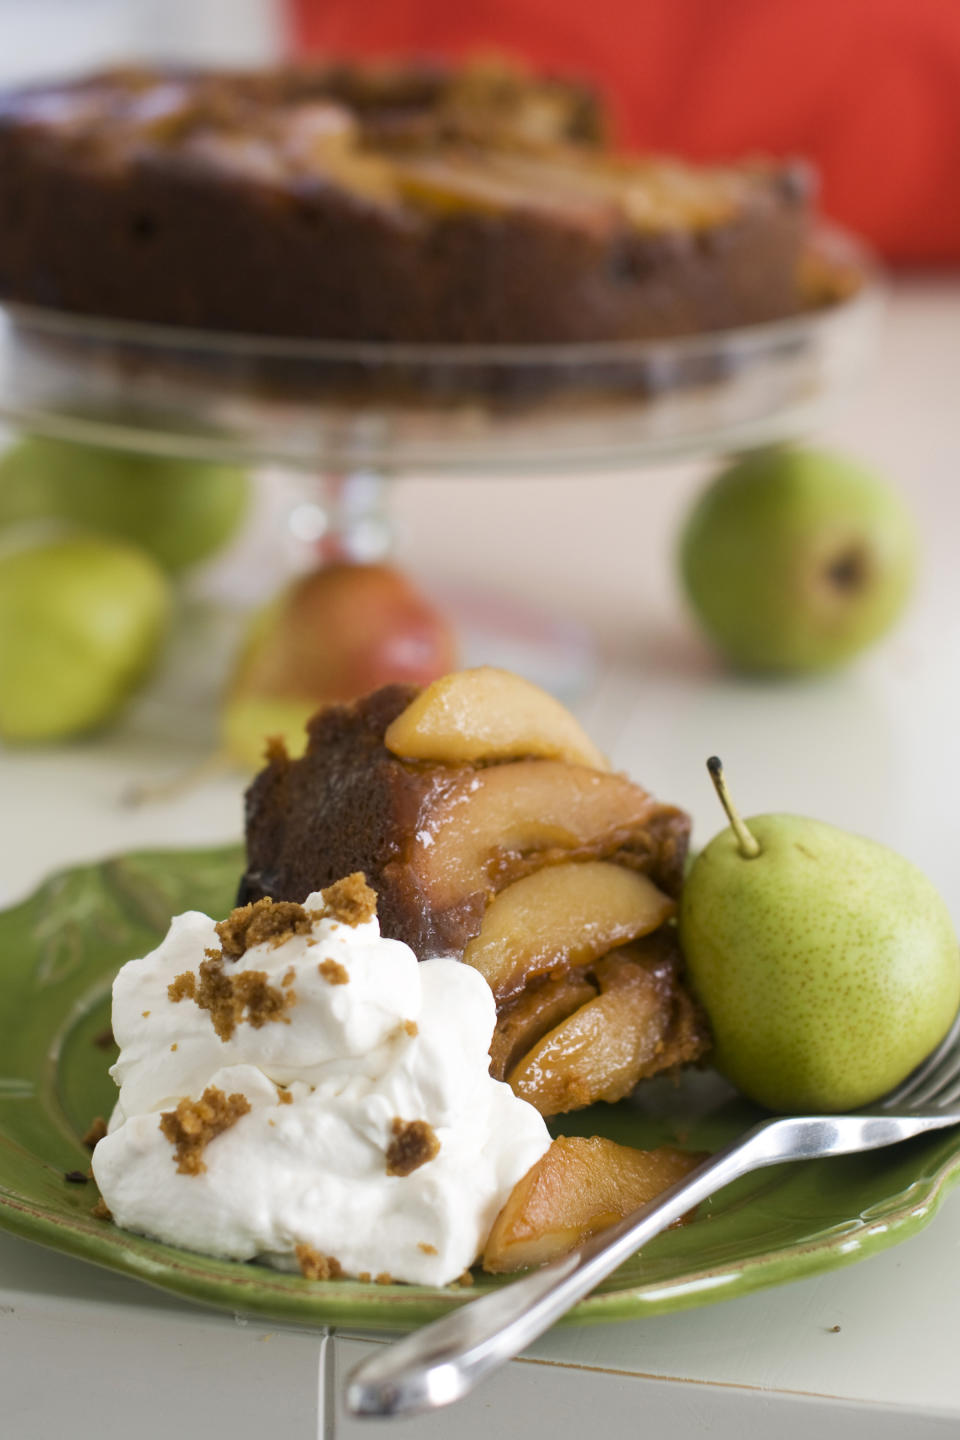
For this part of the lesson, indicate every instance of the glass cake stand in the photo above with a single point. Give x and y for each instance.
(352, 415)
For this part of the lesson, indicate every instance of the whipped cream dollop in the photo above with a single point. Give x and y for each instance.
(369, 1133)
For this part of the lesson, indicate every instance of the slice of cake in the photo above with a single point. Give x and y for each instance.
(471, 812)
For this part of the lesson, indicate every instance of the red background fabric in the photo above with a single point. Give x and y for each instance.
(868, 89)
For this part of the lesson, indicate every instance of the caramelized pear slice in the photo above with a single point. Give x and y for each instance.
(607, 1046)
(560, 917)
(521, 1025)
(486, 828)
(578, 1187)
(488, 714)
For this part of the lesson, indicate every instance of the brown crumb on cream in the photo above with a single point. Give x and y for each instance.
(174, 1046)
(284, 1097)
(184, 987)
(95, 1132)
(351, 900)
(411, 1027)
(194, 1123)
(414, 1143)
(384, 1278)
(230, 999)
(101, 1211)
(144, 1013)
(315, 1266)
(333, 972)
(262, 922)
(288, 978)
(364, 1277)
(426, 1247)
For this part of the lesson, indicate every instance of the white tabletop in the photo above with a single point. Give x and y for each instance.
(873, 749)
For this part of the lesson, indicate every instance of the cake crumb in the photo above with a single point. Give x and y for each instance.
(414, 1143)
(104, 1040)
(101, 1211)
(288, 978)
(262, 922)
(384, 1278)
(194, 1123)
(427, 1248)
(184, 987)
(315, 1266)
(284, 1097)
(351, 900)
(144, 1013)
(231, 999)
(465, 1280)
(95, 1132)
(275, 751)
(411, 1027)
(333, 972)
(364, 1277)
(174, 1046)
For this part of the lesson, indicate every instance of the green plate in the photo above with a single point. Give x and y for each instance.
(59, 952)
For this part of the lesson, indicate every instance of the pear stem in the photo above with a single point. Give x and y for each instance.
(749, 846)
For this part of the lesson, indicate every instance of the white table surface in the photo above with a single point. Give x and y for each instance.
(873, 749)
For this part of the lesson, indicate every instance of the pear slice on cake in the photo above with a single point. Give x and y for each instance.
(486, 714)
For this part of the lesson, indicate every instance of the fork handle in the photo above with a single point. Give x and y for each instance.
(442, 1362)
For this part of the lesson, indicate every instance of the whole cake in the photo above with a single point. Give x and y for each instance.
(493, 831)
(381, 204)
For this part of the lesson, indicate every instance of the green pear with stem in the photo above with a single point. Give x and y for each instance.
(828, 964)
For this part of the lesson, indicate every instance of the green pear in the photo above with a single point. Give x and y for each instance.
(81, 619)
(180, 511)
(794, 560)
(827, 964)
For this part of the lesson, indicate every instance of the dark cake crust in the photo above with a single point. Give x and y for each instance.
(223, 203)
(350, 805)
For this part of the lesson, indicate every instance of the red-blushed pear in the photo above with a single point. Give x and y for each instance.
(827, 964)
(333, 635)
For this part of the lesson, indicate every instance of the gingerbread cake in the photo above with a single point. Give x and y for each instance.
(556, 879)
(404, 204)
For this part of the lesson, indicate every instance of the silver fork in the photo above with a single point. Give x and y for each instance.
(444, 1361)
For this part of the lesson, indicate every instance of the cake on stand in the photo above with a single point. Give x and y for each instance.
(348, 417)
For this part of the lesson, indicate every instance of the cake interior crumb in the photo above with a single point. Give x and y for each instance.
(414, 1143)
(194, 1123)
(316, 1266)
(427, 1248)
(101, 1211)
